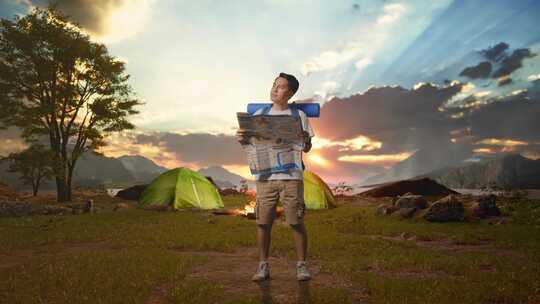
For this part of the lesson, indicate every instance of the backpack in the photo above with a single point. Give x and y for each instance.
(294, 113)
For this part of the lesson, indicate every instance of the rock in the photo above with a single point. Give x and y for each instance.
(412, 201)
(404, 212)
(406, 235)
(383, 209)
(485, 206)
(228, 191)
(131, 193)
(421, 186)
(120, 206)
(89, 206)
(446, 209)
(17, 209)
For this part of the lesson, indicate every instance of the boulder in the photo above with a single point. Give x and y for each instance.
(485, 206)
(446, 209)
(404, 212)
(16, 209)
(412, 201)
(89, 206)
(120, 206)
(421, 186)
(228, 191)
(383, 209)
(131, 193)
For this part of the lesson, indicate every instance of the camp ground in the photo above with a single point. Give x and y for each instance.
(133, 134)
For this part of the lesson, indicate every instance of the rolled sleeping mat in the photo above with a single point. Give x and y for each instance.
(311, 109)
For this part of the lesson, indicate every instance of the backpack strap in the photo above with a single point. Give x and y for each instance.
(295, 113)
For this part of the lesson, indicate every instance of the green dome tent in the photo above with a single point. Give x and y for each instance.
(181, 188)
(317, 194)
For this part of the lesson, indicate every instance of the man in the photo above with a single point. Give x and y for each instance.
(289, 186)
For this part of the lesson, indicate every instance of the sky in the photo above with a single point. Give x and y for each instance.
(392, 77)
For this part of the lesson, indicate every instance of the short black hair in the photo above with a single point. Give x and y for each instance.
(292, 82)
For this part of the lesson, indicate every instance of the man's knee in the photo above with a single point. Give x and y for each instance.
(298, 226)
(264, 226)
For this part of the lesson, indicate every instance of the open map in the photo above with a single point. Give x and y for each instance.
(274, 142)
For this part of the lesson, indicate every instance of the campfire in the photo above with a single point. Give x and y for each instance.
(248, 211)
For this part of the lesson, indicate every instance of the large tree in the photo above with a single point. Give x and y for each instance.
(56, 82)
(33, 164)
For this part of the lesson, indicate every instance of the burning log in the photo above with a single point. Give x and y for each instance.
(248, 211)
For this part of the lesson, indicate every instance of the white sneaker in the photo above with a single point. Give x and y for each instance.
(302, 273)
(262, 273)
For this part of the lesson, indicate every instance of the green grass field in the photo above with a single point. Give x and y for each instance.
(139, 256)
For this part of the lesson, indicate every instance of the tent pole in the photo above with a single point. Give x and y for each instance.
(196, 193)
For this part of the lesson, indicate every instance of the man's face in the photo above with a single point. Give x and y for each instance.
(280, 92)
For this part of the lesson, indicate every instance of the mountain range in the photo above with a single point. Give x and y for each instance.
(93, 170)
(507, 171)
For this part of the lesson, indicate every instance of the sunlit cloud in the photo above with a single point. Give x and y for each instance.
(502, 142)
(533, 77)
(392, 12)
(240, 170)
(107, 21)
(382, 159)
(362, 63)
(12, 146)
(318, 160)
(126, 21)
(119, 144)
(328, 90)
(359, 143)
(483, 150)
(468, 87)
(358, 49)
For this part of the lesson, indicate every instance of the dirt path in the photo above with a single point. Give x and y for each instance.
(233, 271)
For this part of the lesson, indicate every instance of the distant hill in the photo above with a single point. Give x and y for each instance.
(512, 171)
(421, 162)
(93, 170)
(142, 168)
(222, 177)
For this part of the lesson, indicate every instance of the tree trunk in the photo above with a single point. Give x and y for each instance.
(36, 186)
(62, 193)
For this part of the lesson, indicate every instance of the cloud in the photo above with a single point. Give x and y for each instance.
(512, 62)
(401, 119)
(11, 141)
(505, 80)
(201, 149)
(481, 70)
(328, 90)
(381, 159)
(510, 117)
(362, 63)
(392, 12)
(360, 47)
(496, 52)
(533, 77)
(106, 20)
(500, 61)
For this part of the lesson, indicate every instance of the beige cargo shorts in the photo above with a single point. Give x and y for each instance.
(289, 192)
